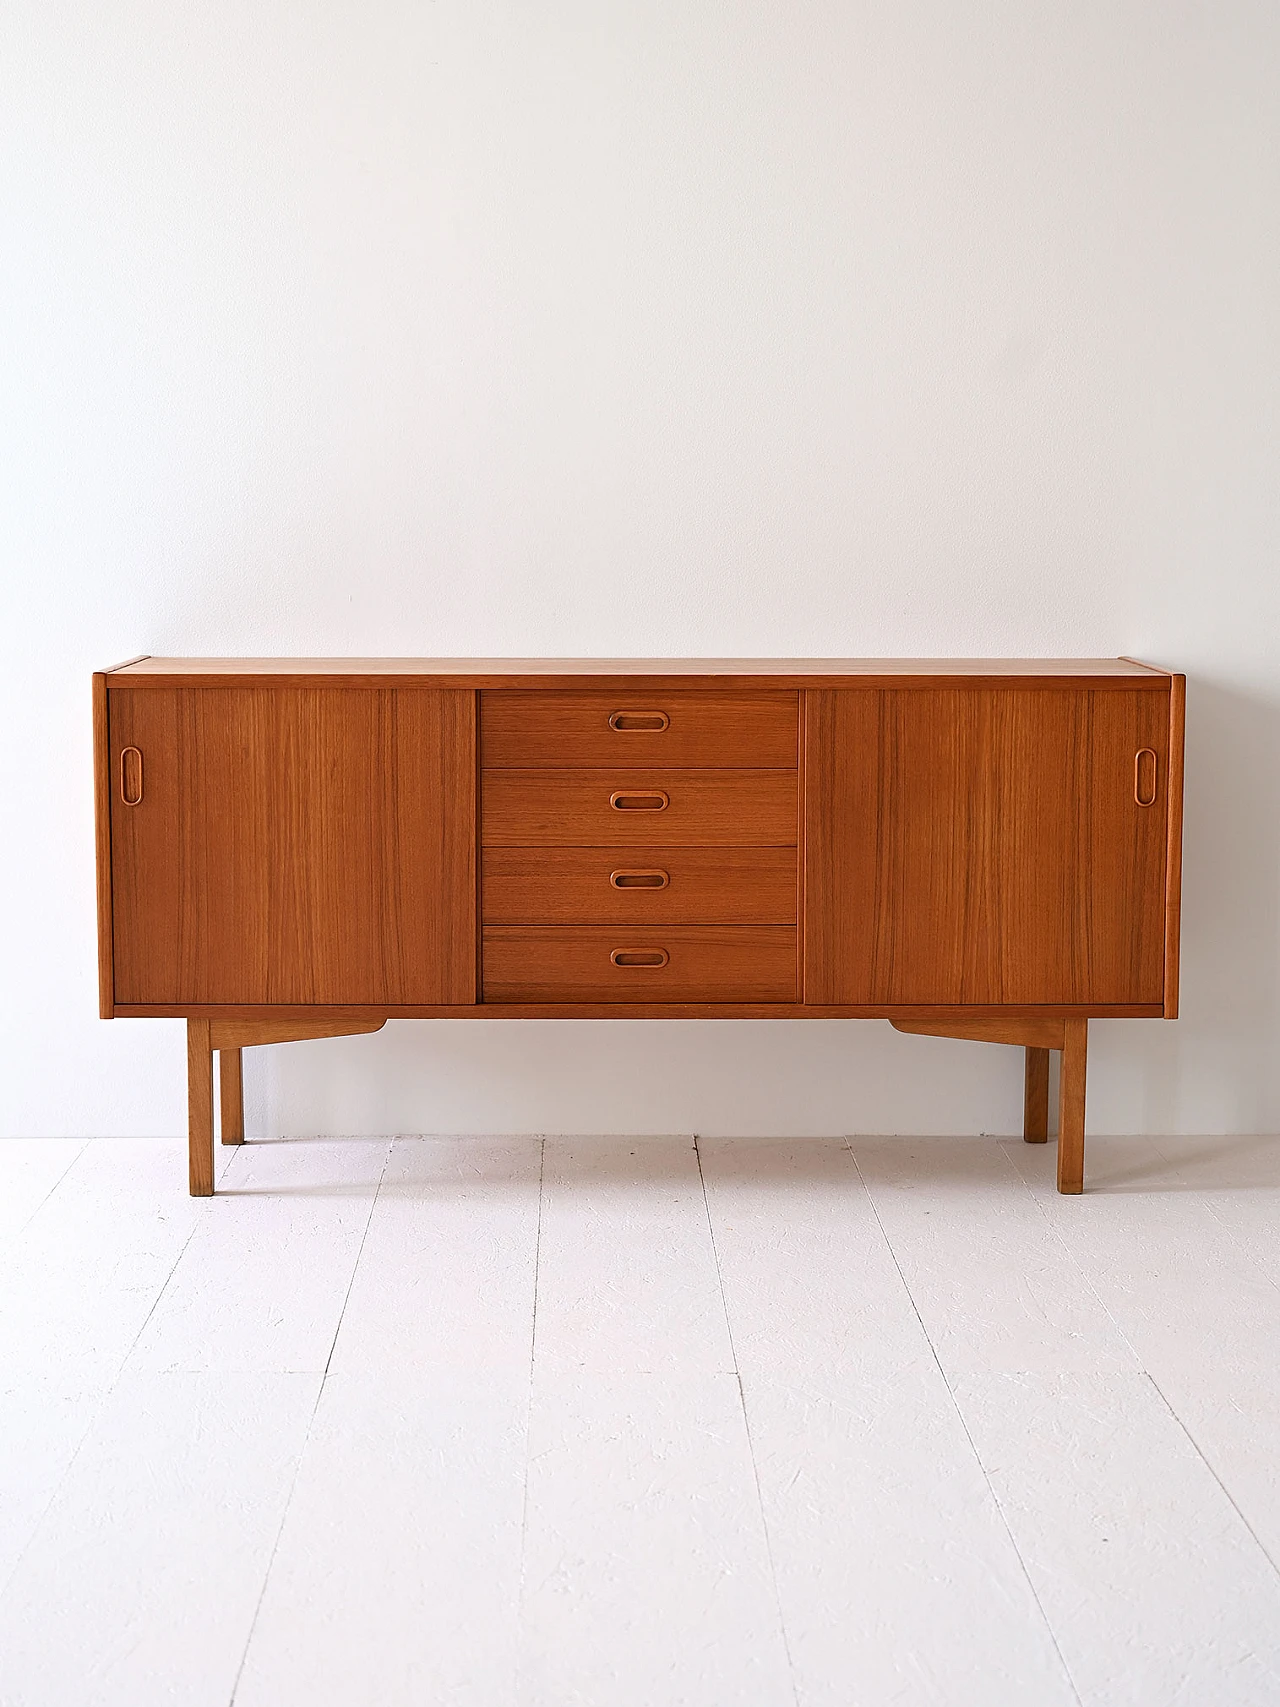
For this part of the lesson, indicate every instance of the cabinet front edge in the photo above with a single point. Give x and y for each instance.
(621, 1010)
(102, 844)
(1173, 855)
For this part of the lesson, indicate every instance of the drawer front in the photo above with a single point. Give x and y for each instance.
(639, 727)
(604, 808)
(641, 886)
(674, 963)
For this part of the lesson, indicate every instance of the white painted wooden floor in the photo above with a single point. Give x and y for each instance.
(632, 1421)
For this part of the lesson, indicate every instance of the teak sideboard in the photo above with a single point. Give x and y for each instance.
(298, 848)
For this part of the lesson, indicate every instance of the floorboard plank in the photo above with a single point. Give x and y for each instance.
(626, 1270)
(1154, 1587)
(141, 1582)
(647, 1576)
(996, 1287)
(446, 1271)
(262, 1285)
(397, 1578)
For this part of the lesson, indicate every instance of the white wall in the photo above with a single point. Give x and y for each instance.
(883, 327)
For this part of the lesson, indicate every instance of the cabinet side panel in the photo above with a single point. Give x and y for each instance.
(102, 843)
(802, 823)
(1173, 860)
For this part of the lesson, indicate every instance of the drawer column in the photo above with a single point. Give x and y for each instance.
(641, 846)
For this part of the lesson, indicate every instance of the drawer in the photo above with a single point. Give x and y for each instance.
(613, 808)
(641, 886)
(630, 963)
(639, 727)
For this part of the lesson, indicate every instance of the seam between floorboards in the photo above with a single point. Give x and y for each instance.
(960, 1417)
(746, 1423)
(107, 1391)
(528, 1426)
(1196, 1448)
(1240, 1245)
(19, 1231)
(1069, 1255)
(1140, 1362)
(1232, 1237)
(306, 1438)
(155, 1304)
(346, 1296)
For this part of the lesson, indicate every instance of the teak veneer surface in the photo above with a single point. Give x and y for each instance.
(737, 963)
(707, 727)
(542, 673)
(1173, 858)
(705, 808)
(572, 886)
(975, 845)
(940, 1019)
(295, 846)
(103, 783)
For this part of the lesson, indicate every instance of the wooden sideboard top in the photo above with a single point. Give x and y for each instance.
(550, 672)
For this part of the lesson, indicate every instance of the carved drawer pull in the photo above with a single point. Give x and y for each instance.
(624, 721)
(1147, 796)
(131, 776)
(639, 957)
(639, 879)
(641, 800)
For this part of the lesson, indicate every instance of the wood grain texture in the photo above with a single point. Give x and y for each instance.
(231, 1034)
(238, 1011)
(975, 845)
(706, 963)
(1041, 1031)
(231, 1093)
(1071, 1107)
(543, 673)
(802, 820)
(550, 729)
(102, 843)
(199, 1109)
(1173, 859)
(572, 886)
(1035, 1097)
(571, 808)
(295, 846)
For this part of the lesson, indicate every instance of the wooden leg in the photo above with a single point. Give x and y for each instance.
(1035, 1102)
(231, 1086)
(200, 1107)
(1075, 1045)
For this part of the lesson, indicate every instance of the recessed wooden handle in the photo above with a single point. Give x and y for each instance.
(626, 721)
(1144, 777)
(639, 879)
(639, 957)
(639, 800)
(131, 776)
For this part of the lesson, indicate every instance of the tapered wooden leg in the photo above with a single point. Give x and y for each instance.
(200, 1108)
(1075, 1048)
(231, 1086)
(1035, 1101)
